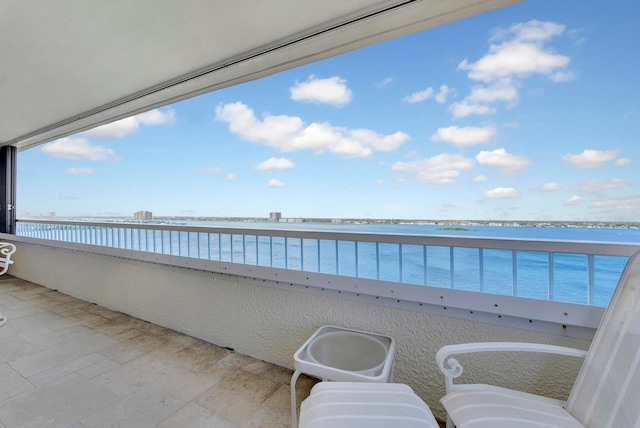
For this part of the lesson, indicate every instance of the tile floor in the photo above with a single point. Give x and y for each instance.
(68, 363)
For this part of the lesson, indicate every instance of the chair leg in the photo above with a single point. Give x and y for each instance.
(449, 422)
(294, 416)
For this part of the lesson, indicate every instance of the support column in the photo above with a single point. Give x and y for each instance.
(8, 189)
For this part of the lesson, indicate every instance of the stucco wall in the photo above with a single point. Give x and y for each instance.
(270, 324)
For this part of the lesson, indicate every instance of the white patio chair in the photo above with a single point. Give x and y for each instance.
(6, 250)
(606, 392)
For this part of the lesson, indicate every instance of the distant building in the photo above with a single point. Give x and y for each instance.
(275, 216)
(143, 215)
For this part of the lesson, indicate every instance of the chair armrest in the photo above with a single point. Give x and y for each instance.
(451, 368)
(6, 250)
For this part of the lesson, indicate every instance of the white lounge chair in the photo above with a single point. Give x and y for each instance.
(606, 392)
(364, 405)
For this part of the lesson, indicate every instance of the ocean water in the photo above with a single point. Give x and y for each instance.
(565, 278)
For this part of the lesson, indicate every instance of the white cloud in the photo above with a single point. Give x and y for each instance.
(130, 125)
(466, 136)
(480, 179)
(386, 81)
(379, 182)
(619, 163)
(290, 133)
(550, 187)
(532, 31)
(514, 54)
(440, 169)
(600, 185)
(79, 148)
(464, 108)
(563, 76)
(620, 209)
(441, 96)
(503, 90)
(574, 200)
(231, 177)
(419, 96)
(514, 60)
(333, 91)
(521, 53)
(590, 158)
(501, 193)
(79, 171)
(274, 182)
(275, 164)
(499, 158)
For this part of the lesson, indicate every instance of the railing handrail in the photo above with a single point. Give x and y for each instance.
(624, 249)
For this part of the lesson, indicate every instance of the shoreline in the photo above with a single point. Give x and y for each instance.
(426, 222)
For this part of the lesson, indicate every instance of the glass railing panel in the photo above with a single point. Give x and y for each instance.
(389, 260)
(278, 252)
(347, 255)
(498, 272)
(328, 258)
(533, 274)
(265, 255)
(571, 278)
(606, 275)
(367, 260)
(413, 259)
(294, 253)
(439, 266)
(466, 269)
(310, 255)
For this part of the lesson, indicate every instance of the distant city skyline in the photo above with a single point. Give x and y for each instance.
(529, 112)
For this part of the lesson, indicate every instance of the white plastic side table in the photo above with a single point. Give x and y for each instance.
(344, 355)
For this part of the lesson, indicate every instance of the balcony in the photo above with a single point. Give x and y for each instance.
(267, 312)
(65, 362)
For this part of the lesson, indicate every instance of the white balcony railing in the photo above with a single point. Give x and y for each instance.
(561, 271)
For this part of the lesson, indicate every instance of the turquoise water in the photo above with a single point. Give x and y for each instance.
(564, 277)
(531, 278)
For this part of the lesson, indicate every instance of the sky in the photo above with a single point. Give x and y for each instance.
(530, 112)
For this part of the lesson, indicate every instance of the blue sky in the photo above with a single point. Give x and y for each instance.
(530, 112)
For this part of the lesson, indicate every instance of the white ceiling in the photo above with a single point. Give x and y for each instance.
(70, 65)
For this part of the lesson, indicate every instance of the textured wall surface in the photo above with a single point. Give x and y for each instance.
(271, 324)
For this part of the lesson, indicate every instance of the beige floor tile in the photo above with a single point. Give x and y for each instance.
(12, 384)
(62, 370)
(15, 347)
(238, 395)
(25, 311)
(195, 416)
(59, 404)
(174, 343)
(152, 400)
(133, 348)
(47, 359)
(99, 368)
(201, 356)
(217, 421)
(58, 337)
(272, 372)
(189, 416)
(267, 417)
(150, 369)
